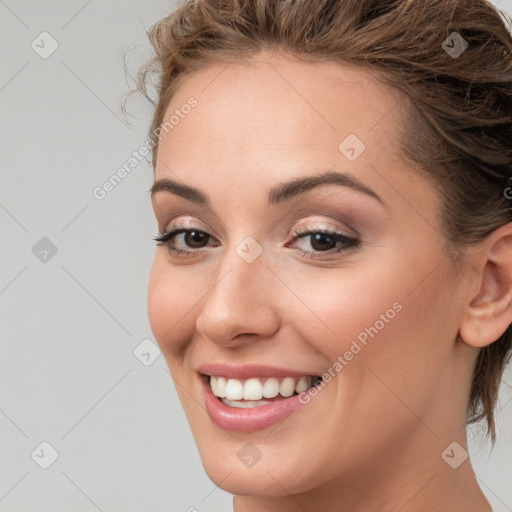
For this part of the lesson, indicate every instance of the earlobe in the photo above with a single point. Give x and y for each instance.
(489, 313)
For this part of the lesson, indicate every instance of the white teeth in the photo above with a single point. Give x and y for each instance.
(221, 386)
(234, 389)
(303, 384)
(271, 388)
(214, 386)
(287, 387)
(245, 404)
(254, 389)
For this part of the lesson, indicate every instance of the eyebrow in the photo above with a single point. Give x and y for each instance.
(277, 194)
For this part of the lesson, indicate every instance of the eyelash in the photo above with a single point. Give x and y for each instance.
(350, 243)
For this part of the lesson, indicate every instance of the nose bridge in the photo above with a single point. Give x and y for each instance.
(239, 302)
(242, 269)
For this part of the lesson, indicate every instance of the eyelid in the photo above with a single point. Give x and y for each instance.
(346, 214)
(308, 225)
(186, 223)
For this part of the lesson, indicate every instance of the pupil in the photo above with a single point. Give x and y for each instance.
(195, 237)
(318, 242)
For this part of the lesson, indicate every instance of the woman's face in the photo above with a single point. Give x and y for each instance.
(259, 297)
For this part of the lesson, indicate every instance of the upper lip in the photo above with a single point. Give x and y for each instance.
(246, 371)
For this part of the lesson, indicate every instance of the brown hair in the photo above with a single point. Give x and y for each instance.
(458, 127)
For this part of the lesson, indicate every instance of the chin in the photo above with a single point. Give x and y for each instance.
(265, 463)
(271, 477)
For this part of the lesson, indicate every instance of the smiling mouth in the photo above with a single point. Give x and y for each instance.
(258, 391)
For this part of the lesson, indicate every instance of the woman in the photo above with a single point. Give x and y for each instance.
(332, 282)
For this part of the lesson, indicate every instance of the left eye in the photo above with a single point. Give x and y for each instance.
(326, 241)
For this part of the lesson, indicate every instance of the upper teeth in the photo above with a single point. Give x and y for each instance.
(256, 388)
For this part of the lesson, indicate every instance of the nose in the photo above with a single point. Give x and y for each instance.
(240, 306)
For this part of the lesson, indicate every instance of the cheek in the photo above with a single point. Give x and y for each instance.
(170, 307)
(343, 305)
(379, 320)
(409, 332)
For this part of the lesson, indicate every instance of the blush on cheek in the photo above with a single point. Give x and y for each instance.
(156, 309)
(162, 303)
(170, 316)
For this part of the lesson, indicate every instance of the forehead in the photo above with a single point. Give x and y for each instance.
(276, 118)
(273, 92)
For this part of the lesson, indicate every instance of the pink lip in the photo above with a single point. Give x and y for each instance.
(247, 371)
(247, 420)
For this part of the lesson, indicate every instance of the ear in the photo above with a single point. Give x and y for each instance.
(489, 313)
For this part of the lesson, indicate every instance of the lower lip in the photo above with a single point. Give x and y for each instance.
(247, 420)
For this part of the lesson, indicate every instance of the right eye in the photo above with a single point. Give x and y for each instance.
(192, 239)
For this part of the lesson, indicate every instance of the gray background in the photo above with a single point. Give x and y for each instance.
(71, 320)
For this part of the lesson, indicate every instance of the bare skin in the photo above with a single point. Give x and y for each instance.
(372, 438)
